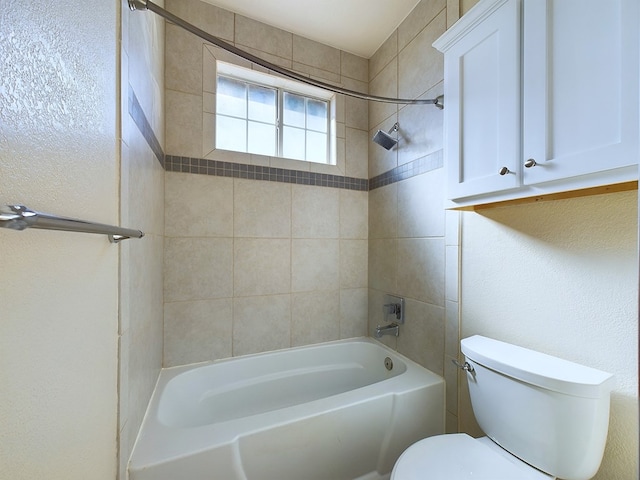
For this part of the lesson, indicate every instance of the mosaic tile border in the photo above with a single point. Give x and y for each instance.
(422, 165)
(140, 119)
(173, 163)
(256, 172)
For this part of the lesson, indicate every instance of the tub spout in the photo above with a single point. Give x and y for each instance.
(391, 329)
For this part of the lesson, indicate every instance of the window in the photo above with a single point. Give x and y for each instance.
(267, 115)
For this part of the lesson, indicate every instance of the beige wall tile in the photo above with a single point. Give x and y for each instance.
(421, 128)
(198, 205)
(357, 148)
(383, 265)
(451, 423)
(355, 85)
(183, 61)
(184, 124)
(353, 66)
(387, 51)
(315, 317)
(145, 300)
(316, 73)
(383, 212)
(421, 269)
(261, 266)
(261, 209)
(451, 378)
(209, 102)
(466, 5)
(263, 37)
(421, 337)
(353, 312)
(143, 187)
(451, 272)
(385, 85)
(453, 12)
(289, 164)
(275, 59)
(208, 134)
(197, 268)
(452, 227)
(261, 324)
(341, 156)
(315, 212)
(314, 265)
(183, 109)
(197, 331)
(213, 20)
(357, 113)
(419, 18)
(420, 65)
(354, 208)
(316, 54)
(353, 263)
(452, 329)
(421, 205)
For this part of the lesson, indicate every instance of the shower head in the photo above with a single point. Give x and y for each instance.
(384, 139)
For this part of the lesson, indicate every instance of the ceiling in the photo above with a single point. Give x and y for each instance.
(356, 26)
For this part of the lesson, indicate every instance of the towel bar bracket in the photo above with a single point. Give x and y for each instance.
(20, 217)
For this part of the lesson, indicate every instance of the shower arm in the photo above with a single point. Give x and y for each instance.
(148, 5)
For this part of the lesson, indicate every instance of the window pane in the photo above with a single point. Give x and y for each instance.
(317, 115)
(316, 147)
(231, 98)
(262, 139)
(231, 134)
(262, 104)
(293, 110)
(293, 143)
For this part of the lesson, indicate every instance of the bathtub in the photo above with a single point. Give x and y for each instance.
(323, 412)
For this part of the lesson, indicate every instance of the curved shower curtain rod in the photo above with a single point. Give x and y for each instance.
(148, 5)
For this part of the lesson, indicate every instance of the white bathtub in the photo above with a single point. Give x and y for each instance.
(324, 412)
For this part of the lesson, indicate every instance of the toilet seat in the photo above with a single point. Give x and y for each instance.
(461, 457)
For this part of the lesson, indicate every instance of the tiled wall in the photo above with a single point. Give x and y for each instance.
(141, 206)
(260, 253)
(413, 242)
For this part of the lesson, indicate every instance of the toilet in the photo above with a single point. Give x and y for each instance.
(543, 417)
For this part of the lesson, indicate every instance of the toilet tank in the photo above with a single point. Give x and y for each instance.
(549, 412)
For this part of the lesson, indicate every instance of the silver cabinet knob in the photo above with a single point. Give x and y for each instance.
(530, 163)
(504, 171)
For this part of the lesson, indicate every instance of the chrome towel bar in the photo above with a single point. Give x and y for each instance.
(19, 217)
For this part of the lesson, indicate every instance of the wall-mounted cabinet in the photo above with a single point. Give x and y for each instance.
(542, 97)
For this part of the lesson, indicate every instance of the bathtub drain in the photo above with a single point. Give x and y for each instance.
(388, 363)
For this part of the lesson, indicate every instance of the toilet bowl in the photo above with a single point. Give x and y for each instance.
(461, 457)
(544, 417)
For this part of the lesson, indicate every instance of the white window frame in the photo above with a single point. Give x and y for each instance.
(282, 85)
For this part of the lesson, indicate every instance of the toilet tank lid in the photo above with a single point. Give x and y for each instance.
(538, 368)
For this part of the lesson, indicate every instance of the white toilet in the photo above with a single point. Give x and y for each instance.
(544, 418)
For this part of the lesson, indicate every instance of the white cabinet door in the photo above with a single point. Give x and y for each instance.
(580, 90)
(482, 112)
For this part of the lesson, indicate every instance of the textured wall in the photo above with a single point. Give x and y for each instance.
(58, 290)
(141, 206)
(562, 278)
